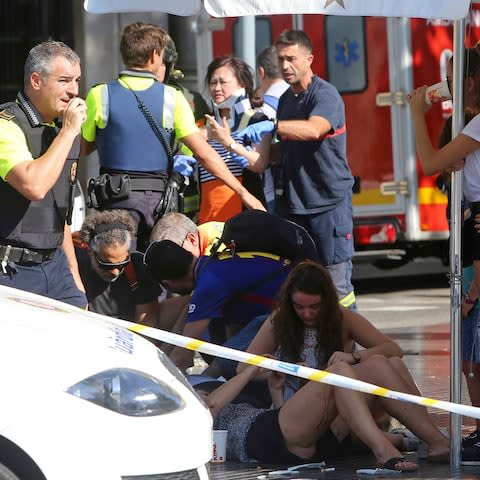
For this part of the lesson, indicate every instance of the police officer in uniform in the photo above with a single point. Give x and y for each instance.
(38, 163)
(121, 125)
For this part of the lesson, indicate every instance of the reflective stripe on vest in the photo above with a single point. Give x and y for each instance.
(348, 300)
(168, 108)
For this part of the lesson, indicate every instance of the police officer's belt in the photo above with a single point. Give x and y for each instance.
(24, 255)
(142, 184)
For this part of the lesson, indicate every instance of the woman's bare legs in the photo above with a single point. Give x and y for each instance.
(399, 365)
(309, 413)
(385, 373)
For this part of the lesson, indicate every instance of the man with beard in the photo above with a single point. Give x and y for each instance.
(313, 181)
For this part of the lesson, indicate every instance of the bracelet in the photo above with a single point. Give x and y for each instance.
(467, 299)
(356, 357)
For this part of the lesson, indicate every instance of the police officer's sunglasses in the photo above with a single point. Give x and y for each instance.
(111, 266)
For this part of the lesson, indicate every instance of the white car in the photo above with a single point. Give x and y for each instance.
(84, 399)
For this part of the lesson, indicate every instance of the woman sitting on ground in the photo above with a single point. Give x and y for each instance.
(310, 327)
(313, 425)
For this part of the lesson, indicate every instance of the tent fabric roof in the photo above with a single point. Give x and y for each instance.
(447, 9)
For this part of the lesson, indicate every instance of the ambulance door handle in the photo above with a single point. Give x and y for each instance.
(394, 188)
(388, 99)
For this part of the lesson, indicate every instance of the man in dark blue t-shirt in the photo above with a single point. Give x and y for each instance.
(237, 290)
(313, 181)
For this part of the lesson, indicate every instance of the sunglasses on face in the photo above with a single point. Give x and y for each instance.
(111, 266)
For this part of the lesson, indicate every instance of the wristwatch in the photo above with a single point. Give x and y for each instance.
(233, 146)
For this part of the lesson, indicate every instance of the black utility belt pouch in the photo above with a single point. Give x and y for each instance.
(107, 188)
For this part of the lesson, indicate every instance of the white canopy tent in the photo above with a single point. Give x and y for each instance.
(449, 9)
(456, 10)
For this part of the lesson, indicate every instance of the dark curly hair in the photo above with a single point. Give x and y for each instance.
(109, 227)
(313, 279)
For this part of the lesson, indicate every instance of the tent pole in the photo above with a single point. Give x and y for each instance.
(247, 39)
(455, 248)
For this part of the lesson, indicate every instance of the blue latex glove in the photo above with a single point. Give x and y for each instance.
(183, 164)
(255, 132)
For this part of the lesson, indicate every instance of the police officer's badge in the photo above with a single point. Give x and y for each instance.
(73, 172)
(6, 114)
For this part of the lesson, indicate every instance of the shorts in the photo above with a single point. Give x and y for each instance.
(265, 443)
(470, 334)
(473, 232)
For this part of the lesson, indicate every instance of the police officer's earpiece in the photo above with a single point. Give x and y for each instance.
(170, 57)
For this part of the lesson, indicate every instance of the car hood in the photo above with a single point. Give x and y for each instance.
(42, 335)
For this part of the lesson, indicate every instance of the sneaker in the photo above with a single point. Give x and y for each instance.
(471, 440)
(471, 455)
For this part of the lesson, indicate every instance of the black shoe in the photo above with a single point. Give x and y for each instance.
(471, 440)
(471, 455)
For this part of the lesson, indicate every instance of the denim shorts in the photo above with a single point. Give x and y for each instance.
(470, 334)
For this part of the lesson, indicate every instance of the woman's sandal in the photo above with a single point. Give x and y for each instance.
(395, 464)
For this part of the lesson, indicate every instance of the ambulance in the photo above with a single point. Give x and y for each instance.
(399, 213)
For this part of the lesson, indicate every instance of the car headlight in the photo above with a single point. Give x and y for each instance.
(128, 392)
(174, 370)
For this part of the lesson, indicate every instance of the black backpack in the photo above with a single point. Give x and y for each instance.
(259, 231)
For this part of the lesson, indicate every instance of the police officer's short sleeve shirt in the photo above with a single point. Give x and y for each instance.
(97, 109)
(13, 147)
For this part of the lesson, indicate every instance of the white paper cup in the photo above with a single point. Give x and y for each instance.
(438, 93)
(219, 453)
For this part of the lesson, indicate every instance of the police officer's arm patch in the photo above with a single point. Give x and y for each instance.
(6, 114)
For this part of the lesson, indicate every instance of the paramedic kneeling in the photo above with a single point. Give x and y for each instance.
(237, 290)
(38, 164)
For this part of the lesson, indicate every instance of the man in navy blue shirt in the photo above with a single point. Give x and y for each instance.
(313, 181)
(314, 172)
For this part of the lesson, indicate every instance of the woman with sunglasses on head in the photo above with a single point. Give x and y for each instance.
(230, 83)
(116, 281)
